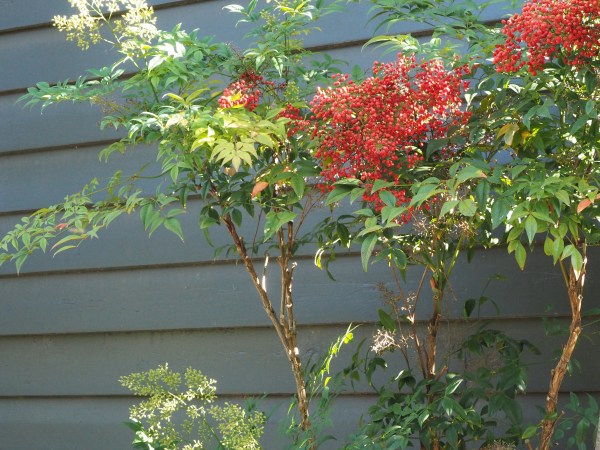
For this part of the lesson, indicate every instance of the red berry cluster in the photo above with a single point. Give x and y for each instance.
(376, 129)
(246, 91)
(297, 121)
(567, 30)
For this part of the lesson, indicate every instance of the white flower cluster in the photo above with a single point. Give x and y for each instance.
(130, 22)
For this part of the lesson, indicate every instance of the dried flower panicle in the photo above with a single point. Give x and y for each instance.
(500, 445)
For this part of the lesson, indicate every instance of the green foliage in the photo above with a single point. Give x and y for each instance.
(222, 125)
(180, 414)
(454, 25)
(219, 154)
(323, 386)
(580, 418)
(454, 409)
(528, 163)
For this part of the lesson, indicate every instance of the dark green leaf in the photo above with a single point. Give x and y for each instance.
(366, 250)
(579, 123)
(172, 224)
(380, 184)
(500, 210)
(530, 228)
(453, 386)
(386, 321)
(590, 80)
(548, 246)
(236, 216)
(482, 193)
(529, 432)
(520, 255)
(447, 207)
(275, 220)
(467, 207)
(399, 258)
(469, 307)
(338, 193)
(388, 198)
(298, 185)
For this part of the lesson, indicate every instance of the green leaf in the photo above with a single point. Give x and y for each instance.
(399, 258)
(236, 216)
(423, 417)
(72, 237)
(306, 168)
(482, 193)
(425, 192)
(207, 222)
(264, 139)
(529, 432)
(298, 184)
(21, 260)
(563, 196)
(500, 210)
(60, 250)
(548, 246)
(366, 250)
(275, 220)
(447, 207)
(469, 307)
(148, 214)
(380, 184)
(530, 228)
(529, 114)
(388, 213)
(467, 207)
(388, 198)
(343, 233)
(579, 123)
(520, 255)
(581, 430)
(468, 173)
(590, 80)
(453, 386)
(576, 258)
(386, 321)
(557, 249)
(590, 109)
(355, 193)
(172, 224)
(338, 193)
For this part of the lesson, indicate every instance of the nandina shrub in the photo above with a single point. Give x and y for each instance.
(375, 140)
(565, 30)
(378, 129)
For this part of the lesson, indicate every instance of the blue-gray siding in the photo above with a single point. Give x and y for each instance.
(71, 325)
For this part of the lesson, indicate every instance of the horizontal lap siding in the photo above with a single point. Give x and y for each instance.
(91, 421)
(209, 295)
(71, 325)
(243, 360)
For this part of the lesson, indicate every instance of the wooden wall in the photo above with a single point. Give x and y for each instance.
(71, 325)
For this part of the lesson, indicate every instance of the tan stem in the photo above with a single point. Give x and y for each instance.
(432, 330)
(286, 335)
(575, 293)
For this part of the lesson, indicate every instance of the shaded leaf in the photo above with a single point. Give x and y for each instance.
(366, 250)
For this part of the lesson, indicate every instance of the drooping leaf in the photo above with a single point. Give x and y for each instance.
(386, 321)
(275, 220)
(366, 250)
